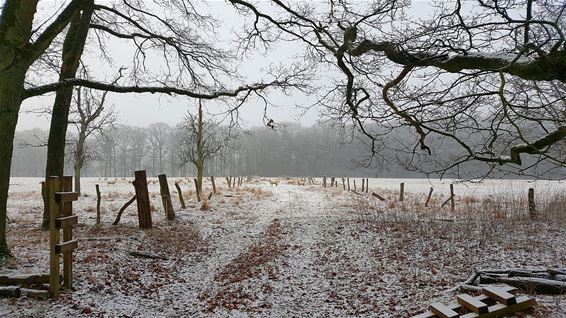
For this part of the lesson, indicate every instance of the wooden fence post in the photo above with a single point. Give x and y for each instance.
(348, 184)
(142, 198)
(402, 191)
(213, 184)
(324, 181)
(198, 189)
(53, 186)
(180, 192)
(363, 184)
(452, 202)
(332, 182)
(355, 185)
(429, 196)
(367, 185)
(228, 182)
(166, 197)
(532, 206)
(98, 198)
(67, 210)
(343, 184)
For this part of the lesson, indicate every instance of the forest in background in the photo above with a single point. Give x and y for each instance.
(289, 150)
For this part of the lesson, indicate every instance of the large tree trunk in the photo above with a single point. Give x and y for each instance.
(11, 89)
(72, 51)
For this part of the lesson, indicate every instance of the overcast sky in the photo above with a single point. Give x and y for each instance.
(144, 109)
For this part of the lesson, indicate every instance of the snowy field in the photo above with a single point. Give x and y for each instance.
(288, 250)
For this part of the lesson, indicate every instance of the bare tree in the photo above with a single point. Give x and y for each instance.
(91, 117)
(485, 77)
(158, 136)
(200, 140)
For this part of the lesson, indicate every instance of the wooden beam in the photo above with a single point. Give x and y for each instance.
(66, 246)
(66, 196)
(443, 311)
(472, 303)
(500, 295)
(66, 221)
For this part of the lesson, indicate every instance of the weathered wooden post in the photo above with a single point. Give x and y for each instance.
(98, 198)
(180, 193)
(142, 198)
(363, 184)
(166, 197)
(324, 181)
(367, 185)
(402, 191)
(332, 182)
(213, 184)
(343, 184)
(452, 202)
(197, 189)
(532, 206)
(355, 185)
(53, 186)
(429, 197)
(348, 184)
(228, 182)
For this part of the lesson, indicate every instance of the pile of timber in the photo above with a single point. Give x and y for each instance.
(28, 285)
(493, 302)
(543, 281)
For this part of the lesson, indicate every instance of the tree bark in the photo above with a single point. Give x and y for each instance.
(72, 51)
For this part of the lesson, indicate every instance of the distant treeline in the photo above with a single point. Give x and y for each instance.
(288, 150)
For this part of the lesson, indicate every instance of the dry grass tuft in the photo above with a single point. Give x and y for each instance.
(205, 206)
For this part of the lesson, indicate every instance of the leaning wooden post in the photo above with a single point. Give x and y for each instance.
(213, 184)
(142, 198)
(53, 186)
(198, 189)
(532, 206)
(402, 191)
(166, 197)
(429, 196)
(97, 204)
(452, 202)
(180, 195)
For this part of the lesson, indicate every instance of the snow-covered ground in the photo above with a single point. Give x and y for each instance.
(287, 250)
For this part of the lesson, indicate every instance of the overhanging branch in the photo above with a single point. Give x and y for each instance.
(43, 89)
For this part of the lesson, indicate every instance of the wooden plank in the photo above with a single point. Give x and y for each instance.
(500, 295)
(53, 185)
(443, 311)
(457, 306)
(66, 246)
(472, 304)
(66, 221)
(501, 310)
(66, 196)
